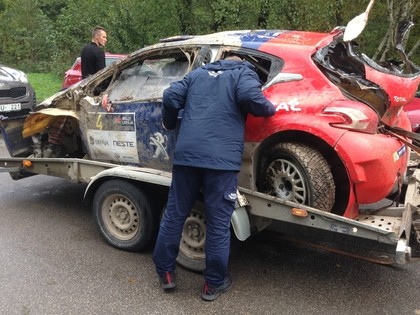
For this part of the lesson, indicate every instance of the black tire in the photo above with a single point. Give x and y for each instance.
(298, 173)
(192, 246)
(123, 215)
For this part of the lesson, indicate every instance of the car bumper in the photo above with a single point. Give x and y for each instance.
(375, 163)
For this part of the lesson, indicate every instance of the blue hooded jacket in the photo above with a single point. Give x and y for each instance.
(215, 99)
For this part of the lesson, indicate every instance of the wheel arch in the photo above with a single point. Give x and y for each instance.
(338, 169)
(158, 187)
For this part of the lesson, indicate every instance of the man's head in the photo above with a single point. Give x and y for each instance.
(231, 56)
(99, 36)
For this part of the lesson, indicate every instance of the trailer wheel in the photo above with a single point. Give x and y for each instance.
(298, 173)
(192, 246)
(123, 215)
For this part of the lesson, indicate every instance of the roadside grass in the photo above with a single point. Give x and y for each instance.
(44, 84)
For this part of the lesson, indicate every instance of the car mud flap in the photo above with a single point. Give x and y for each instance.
(17, 146)
(240, 223)
(240, 219)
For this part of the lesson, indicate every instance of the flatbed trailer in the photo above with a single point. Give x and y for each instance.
(388, 235)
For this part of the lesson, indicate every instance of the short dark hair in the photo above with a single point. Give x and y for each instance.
(232, 56)
(96, 30)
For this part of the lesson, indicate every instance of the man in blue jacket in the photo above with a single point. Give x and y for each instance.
(215, 100)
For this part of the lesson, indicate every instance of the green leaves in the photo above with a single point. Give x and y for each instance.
(47, 35)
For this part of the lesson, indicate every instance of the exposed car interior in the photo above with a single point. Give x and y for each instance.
(265, 66)
(344, 64)
(346, 69)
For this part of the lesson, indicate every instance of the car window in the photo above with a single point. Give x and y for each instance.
(266, 66)
(147, 79)
(109, 60)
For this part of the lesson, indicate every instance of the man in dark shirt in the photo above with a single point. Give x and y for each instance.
(92, 55)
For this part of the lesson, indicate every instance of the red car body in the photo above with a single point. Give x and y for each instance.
(371, 160)
(74, 74)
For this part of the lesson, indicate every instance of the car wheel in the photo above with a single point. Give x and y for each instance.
(192, 246)
(298, 173)
(123, 215)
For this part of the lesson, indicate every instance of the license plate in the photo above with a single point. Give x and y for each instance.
(10, 107)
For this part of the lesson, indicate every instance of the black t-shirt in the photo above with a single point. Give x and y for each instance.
(92, 58)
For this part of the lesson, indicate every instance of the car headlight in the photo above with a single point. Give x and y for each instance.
(23, 78)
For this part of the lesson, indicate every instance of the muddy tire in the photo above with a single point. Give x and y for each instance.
(192, 246)
(298, 173)
(123, 215)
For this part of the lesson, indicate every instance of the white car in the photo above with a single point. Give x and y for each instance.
(17, 97)
(17, 100)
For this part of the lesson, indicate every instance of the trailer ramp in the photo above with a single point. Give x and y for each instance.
(385, 236)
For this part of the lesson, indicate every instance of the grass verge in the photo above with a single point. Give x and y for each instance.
(44, 84)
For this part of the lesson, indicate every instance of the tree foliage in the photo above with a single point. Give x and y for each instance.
(47, 35)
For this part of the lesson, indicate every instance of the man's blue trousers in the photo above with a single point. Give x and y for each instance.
(219, 189)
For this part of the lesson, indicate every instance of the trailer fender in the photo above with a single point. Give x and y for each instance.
(240, 223)
(139, 174)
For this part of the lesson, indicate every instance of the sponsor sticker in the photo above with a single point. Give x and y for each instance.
(113, 137)
(400, 152)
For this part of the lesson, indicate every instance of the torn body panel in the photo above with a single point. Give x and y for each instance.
(360, 78)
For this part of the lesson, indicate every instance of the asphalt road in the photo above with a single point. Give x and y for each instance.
(53, 261)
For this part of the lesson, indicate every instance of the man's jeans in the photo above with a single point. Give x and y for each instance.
(219, 188)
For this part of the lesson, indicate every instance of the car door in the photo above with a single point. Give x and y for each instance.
(127, 129)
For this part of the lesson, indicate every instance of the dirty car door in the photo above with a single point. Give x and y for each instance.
(127, 127)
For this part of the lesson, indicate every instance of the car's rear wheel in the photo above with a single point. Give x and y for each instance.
(298, 173)
(123, 215)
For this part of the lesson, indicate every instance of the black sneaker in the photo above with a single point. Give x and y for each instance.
(211, 293)
(168, 281)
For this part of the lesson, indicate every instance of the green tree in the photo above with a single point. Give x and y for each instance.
(48, 34)
(26, 36)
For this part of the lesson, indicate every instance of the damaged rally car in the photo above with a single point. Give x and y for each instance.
(328, 145)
